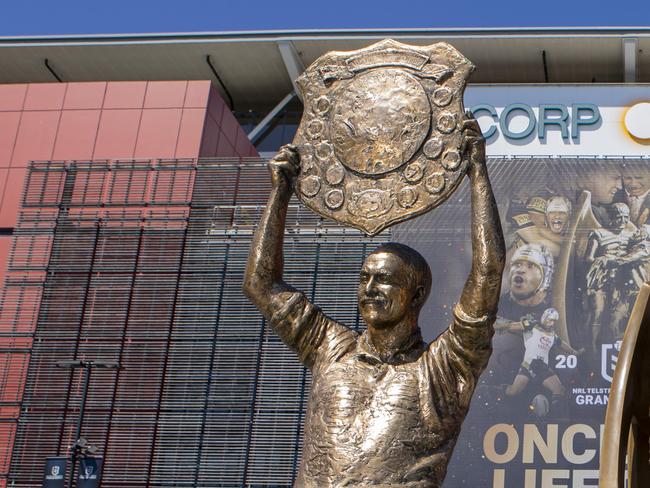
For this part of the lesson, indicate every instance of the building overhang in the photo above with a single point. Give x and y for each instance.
(254, 69)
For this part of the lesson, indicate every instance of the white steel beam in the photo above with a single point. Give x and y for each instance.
(264, 123)
(292, 62)
(630, 50)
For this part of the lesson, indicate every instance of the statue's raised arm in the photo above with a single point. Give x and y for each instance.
(460, 354)
(480, 295)
(263, 282)
(298, 322)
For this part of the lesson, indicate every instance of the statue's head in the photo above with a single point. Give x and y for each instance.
(395, 281)
(531, 272)
(619, 216)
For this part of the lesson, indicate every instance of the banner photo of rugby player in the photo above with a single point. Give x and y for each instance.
(577, 231)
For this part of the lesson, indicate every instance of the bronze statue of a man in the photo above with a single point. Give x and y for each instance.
(385, 408)
(618, 255)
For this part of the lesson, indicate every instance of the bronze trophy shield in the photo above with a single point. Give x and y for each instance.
(380, 138)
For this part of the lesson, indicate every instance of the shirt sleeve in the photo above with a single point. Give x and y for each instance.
(458, 356)
(308, 331)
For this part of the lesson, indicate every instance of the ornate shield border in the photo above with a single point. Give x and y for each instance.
(418, 88)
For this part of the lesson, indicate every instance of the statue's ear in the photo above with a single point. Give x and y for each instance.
(418, 296)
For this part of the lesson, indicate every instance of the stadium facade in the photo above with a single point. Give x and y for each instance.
(132, 176)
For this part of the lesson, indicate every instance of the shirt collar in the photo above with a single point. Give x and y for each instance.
(408, 353)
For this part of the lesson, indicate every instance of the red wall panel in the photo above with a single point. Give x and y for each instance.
(222, 134)
(190, 133)
(36, 137)
(118, 132)
(210, 137)
(45, 96)
(11, 199)
(127, 94)
(76, 135)
(216, 105)
(165, 94)
(197, 94)
(9, 122)
(158, 133)
(12, 97)
(224, 148)
(4, 175)
(84, 96)
(229, 126)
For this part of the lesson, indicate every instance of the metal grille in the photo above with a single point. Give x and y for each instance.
(141, 262)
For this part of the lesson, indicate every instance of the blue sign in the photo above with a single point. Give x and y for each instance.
(90, 472)
(54, 472)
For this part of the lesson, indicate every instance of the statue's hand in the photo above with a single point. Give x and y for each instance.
(285, 167)
(473, 145)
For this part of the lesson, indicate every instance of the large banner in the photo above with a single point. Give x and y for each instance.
(577, 233)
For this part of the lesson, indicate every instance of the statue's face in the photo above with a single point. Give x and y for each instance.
(619, 216)
(525, 278)
(557, 221)
(620, 221)
(385, 293)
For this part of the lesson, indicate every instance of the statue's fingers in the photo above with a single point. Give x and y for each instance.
(279, 157)
(468, 142)
(283, 164)
(290, 154)
(287, 166)
(470, 125)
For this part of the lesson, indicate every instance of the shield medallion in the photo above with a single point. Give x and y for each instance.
(380, 139)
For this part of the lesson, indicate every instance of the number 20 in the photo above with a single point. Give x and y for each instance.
(566, 362)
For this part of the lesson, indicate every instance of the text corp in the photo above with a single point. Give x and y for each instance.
(567, 120)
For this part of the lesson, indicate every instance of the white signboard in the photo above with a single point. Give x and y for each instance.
(563, 120)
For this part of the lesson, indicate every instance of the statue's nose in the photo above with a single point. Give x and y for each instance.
(370, 284)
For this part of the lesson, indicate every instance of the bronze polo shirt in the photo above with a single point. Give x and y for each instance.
(374, 423)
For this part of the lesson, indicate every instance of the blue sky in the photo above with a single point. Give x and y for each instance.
(52, 17)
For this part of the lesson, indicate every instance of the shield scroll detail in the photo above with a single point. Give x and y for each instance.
(380, 139)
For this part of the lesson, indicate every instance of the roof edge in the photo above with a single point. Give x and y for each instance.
(266, 35)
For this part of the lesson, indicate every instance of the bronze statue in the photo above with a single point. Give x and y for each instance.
(617, 255)
(385, 408)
